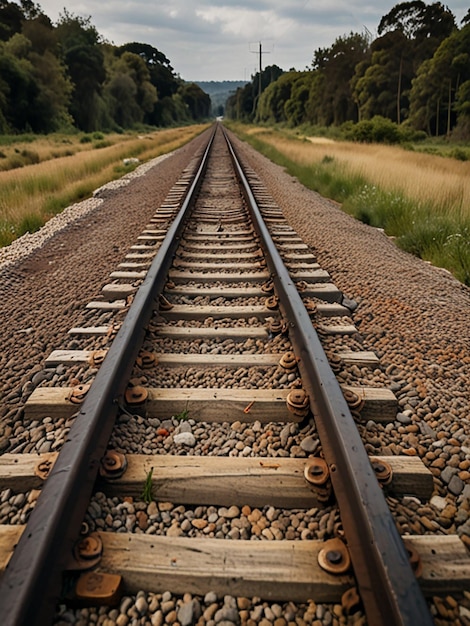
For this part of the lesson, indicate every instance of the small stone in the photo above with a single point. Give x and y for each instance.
(210, 611)
(403, 418)
(309, 444)
(456, 485)
(170, 618)
(142, 520)
(210, 597)
(439, 502)
(125, 605)
(243, 603)
(284, 436)
(185, 439)
(199, 523)
(157, 619)
(167, 606)
(185, 427)
(267, 534)
(232, 512)
(186, 613)
(141, 605)
(227, 614)
(447, 473)
(268, 614)
(174, 531)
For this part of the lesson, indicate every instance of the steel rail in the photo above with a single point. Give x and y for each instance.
(31, 584)
(387, 585)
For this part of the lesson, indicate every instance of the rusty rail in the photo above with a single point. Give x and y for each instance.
(386, 582)
(31, 584)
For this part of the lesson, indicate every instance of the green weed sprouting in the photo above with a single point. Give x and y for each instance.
(182, 415)
(147, 495)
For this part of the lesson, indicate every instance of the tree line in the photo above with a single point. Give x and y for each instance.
(416, 74)
(65, 75)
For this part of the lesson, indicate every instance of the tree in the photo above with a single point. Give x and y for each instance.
(242, 105)
(337, 65)
(425, 25)
(437, 100)
(295, 107)
(162, 75)
(85, 64)
(380, 86)
(128, 90)
(50, 109)
(11, 17)
(18, 86)
(274, 97)
(197, 101)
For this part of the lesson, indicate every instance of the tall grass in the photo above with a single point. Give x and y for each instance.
(31, 194)
(420, 199)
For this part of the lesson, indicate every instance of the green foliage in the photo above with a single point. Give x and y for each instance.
(197, 101)
(147, 491)
(379, 208)
(331, 100)
(8, 233)
(377, 130)
(416, 72)
(57, 77)
(242, 105)
(102, 144)
(460, 154)
(30, 224)
(182, 415)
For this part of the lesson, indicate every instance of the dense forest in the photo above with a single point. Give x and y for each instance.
(415, 74)
(65, 75)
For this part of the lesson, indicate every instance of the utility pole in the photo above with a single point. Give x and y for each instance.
(260, 53)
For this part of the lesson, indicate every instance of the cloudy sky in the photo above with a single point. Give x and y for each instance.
(219, 39)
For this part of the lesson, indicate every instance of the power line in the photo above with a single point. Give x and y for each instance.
(260, 52)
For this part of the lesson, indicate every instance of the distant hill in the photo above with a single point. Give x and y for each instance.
(219, 91)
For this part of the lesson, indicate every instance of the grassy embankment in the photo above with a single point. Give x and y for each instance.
(422, 200)
(40, 176)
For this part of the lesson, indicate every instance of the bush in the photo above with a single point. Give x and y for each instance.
(460, 154)
(30, 224)
(30, 157)
(377, 130)
(102, 144)
(380, 208)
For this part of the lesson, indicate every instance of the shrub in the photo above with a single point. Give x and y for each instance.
(460, 154)
(30, 157)
(30, 224)
(102, 144)
(377, 130)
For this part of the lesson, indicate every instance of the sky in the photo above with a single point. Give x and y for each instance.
(220, 39)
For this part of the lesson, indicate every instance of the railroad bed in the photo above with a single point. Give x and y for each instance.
(239, 463)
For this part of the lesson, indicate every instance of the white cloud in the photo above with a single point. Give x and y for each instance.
(246, 23)
(213, 39)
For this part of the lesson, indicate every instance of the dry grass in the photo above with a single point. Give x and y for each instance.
(423, 177)
(33, 193)
(422, 200)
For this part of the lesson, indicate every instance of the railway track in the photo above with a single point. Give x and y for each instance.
(218, 326)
